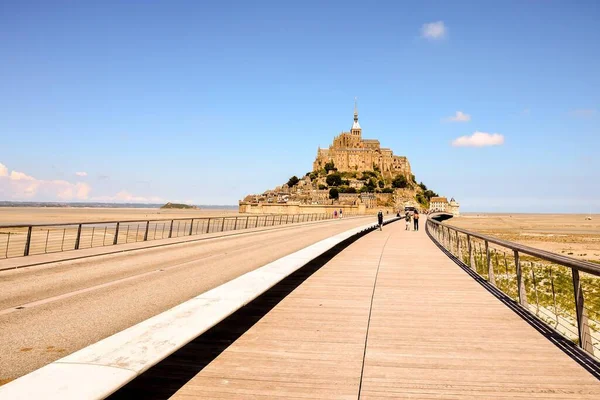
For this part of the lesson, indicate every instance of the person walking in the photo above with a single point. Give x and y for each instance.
(380, 219)
(340, 213)
(407, 218)
(416, 221)
(335, 214)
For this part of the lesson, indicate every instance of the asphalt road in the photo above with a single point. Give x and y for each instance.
(71, 304)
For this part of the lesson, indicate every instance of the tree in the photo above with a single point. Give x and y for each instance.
(334, 180)
(387, 190)
(293, 181)
(381, 184)
(329, 166)
(412, 177)
(333, 193)
(364, 189)
(313, 176)
(322, 187)
(429, 194)
(350, 190)
(400, 182)
(422, 185)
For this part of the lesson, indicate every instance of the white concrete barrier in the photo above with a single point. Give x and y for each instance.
(102, 368)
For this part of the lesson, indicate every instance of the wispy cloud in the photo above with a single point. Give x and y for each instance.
(103, 177)
(434, 30)
(458, 117)
(126, 197)
(82, 174)
(479, 139)
(583, 113)
(526, 111)
(16, 185)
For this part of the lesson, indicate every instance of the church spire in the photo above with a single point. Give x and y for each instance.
(355, 126)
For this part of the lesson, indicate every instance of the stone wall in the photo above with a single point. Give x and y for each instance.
(262, 208)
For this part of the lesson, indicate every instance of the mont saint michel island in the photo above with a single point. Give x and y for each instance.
(354, 174)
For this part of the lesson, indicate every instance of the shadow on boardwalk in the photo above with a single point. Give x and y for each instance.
(166, 378)
(568, 347)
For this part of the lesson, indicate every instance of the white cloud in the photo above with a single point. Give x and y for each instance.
(20, 186)
(459, 117)
(479, 139)
(433, 30)
(583, 113)
(81, 173)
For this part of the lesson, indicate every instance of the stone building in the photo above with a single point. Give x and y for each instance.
(453, 207)
(438, 204)
(350, 152)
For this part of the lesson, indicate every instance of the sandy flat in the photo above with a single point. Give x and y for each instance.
(569, 234)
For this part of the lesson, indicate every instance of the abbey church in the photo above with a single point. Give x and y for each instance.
(350, 152)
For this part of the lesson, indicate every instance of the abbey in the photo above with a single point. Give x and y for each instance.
(350, 152)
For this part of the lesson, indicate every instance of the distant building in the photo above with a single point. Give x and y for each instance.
(438, 204)
(453, 207)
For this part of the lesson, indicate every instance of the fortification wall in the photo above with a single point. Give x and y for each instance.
(262, 208)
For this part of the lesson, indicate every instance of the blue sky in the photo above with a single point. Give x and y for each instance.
(207, 101)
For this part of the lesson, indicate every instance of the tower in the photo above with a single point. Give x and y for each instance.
(356, 130)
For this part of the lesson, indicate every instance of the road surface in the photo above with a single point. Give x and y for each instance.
(52, 310)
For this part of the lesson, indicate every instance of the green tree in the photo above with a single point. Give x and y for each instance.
(364, 189)
(322, 187)
(400, 182)
(351, 190)
(422, 185)
(381, 184)
(313, 176)
(333, 193)
(293, 181)
(343, 189)
(412, 177)
(387, 190)
(334, 179)
(429, 194)
(329, 166)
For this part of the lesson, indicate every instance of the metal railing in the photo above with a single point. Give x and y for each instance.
(561, 291)
(26, 240)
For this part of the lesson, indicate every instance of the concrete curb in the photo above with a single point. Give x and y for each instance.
(102, 368)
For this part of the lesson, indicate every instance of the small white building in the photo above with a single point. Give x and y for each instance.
(453, 207)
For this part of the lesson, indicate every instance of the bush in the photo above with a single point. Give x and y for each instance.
(351, 190)
(334, 180)
(343, 189)
(333, 193)
(364, 189)
(293, 181)
(329, 166)
(322, 187)
(369, 174)
(313, 176)
(381, 184)
(422, 185)
(387, 190)
(400, 182)
(412, 178)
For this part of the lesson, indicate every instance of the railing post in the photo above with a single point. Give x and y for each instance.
(223, 224)
(582, 320)
(116, 238)
(458, 248)
(470, 248)
(170, 230)
(208, 226)
(191, 227)
(28, 242)
(247, 218)
(520, 284)
(491, 277)
(235, 226)
(146, 231)
(78, 237)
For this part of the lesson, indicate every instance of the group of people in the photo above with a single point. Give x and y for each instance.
(408, 216)
(335, 213)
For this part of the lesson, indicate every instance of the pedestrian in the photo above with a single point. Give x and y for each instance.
(407, 218)
(380, 220)
(340, 213)
(416, 221)
(335, 214)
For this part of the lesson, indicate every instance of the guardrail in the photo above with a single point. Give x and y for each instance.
(25, 240)
(102, 368)
(561, 291)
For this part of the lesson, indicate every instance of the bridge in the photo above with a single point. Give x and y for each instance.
(320, 309)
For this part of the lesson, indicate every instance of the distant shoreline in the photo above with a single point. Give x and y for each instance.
(14, 204)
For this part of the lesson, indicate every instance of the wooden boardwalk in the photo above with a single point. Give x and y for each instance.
(391, 317)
